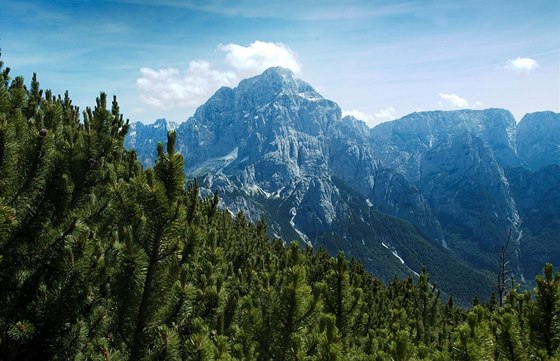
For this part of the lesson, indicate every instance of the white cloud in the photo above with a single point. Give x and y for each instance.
(372, 120)
(168, 88)
(521, 65)
(259, 56)
(357, 114)
(385, 114)
(452, 101)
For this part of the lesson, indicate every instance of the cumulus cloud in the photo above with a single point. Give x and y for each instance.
(357, 114)
(521, 65)
(259, 56)
(452, 101)
(372, 120)
(168, 88)
(385, 114)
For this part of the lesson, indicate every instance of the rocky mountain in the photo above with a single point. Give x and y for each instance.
(537, 139)
(537, 197)
(431, 188)
(401, 143)
(483, 176)
(144, 138)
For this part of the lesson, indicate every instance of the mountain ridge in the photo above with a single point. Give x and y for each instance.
(276, 148)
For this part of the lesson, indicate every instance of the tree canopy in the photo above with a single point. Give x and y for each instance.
(101, 259)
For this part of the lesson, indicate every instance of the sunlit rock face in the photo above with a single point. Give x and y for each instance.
(538, 139)
(275, 148)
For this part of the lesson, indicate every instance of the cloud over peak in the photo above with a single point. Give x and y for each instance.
(259, 56)
(453, 101)
(382, 115)
(168, 88)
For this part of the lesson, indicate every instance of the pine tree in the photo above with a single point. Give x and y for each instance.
(296, 310)
(329, 346)
(509, 344)
(426, 306)
(103, 260)
(342, 298)
(401, 349)
(52, 264)
(474, 340)
(153, 204)
(545, 317)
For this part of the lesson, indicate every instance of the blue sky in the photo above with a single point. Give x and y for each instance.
(378, 60)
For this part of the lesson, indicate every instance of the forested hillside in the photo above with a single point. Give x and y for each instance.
(101, 259)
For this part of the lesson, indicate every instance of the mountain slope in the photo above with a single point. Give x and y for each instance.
(537, 195)
(474, 168)
(430, 188)
(400, 143)
(538, 139)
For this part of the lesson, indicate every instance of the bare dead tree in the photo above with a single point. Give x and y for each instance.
(502, 269)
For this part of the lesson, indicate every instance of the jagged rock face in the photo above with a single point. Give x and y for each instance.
(319, 207)
(393, 194)
(538, 139)
(455, 160)
(268, 137)
(400, 143)
(461, 162)
(274, 147)
(273, 121)
(144, 139)
(537, 196)
(468, 191)
(353, 161)
(274, 135)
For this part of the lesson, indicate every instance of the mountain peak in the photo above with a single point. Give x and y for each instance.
(452, 119)
(275, 79)
(162, 122)
(538, 138)
(279, 71)
(274, 84)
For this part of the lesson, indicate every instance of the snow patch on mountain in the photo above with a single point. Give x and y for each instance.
(310, 96)
(216, 164)
(293, 213)
(395, 253)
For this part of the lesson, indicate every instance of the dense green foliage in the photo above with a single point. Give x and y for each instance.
(103, 260)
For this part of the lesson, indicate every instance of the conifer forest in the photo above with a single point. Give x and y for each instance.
(102, 259)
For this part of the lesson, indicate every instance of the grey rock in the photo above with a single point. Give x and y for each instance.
(400, 143)
(538, 139)
(275, 148)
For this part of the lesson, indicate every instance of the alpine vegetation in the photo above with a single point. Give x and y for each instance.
(102, 258)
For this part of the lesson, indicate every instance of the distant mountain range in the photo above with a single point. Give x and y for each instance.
(442, 189)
